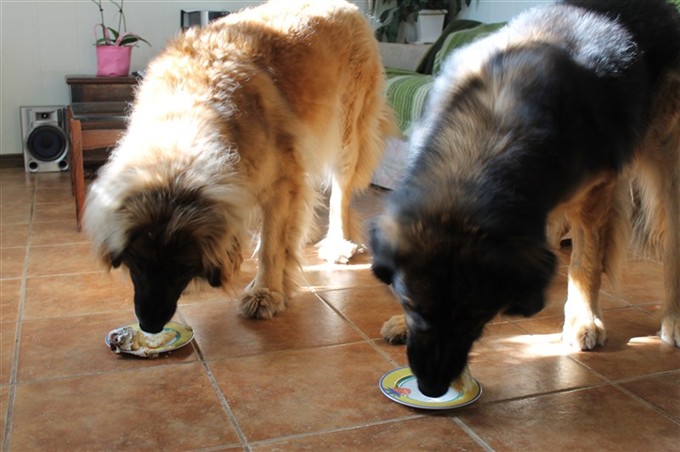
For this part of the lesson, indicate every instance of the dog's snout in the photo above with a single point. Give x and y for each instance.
(151, 327)
(432, 389)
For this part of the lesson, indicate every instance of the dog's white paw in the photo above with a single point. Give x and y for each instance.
(670, 330)
(338, 251)
(394, 330)
(584, 333)
(261, 303)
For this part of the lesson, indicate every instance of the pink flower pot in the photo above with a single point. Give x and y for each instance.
(113, 61)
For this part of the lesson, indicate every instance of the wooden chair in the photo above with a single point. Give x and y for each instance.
(95, 137)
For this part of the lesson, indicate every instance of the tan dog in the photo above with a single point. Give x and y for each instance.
(242, 119)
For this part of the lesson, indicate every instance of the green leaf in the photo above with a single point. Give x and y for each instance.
(133, 39)
(114, 33)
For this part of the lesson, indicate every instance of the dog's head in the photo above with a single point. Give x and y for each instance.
(451, 279)
(167, 239)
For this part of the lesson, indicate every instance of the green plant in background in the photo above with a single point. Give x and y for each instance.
(403, 9)
(112, 36)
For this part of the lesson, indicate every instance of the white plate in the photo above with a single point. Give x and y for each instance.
(183, 335)
(400, 385)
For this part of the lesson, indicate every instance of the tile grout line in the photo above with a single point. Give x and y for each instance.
(358, 330)
(536, 395)
(646, 403)
(606, 382)
(278, 439)
(63, 378)
(11, 397)
(468, 431)
(615, 382)
(52, 275)
(220, 395)
(644, 376)
(316, 289)
(113, 371)
(471, 433)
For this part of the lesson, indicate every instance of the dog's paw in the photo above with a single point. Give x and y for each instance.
(338, 251)
(394, 330)
(670, 330)
(584, 333)
(261, 303)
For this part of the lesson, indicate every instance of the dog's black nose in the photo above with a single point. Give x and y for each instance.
(151, 327)
(432, 389)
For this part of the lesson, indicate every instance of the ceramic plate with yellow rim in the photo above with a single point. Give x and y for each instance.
(132, 340)
(400, 385)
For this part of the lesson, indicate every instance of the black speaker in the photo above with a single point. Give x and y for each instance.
(45, 139)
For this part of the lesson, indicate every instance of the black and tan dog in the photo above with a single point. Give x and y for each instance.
(554, 117)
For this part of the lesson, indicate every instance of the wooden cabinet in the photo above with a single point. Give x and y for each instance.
(97, 118)
(101, 101)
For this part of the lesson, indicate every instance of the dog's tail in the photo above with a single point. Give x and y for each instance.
(373, 136)
(368, 119)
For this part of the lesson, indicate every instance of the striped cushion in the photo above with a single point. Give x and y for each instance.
(406, 93)
(461, 38)
(407, 90)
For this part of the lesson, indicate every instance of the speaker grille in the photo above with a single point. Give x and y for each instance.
(46, 143)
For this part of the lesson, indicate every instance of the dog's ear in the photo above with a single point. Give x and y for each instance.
(524, 271)
(536, 267)
(384, 239)
(114, 260)
(214, 276)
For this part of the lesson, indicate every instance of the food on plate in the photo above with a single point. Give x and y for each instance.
(130, 340)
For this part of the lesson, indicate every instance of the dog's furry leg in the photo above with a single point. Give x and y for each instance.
(367, 122)
(600, 237)
(280, 244)
(669, 144)
(657, 230)
(583, 325)
(657, 179)
(599, 240)
(337, 246)
(300, 221)
(670, 320)
(261, 303)
(394, 331)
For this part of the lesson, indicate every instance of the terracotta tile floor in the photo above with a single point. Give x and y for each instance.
(309, 378)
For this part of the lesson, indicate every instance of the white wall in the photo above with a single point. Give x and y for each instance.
(42, 41)
(498, 10)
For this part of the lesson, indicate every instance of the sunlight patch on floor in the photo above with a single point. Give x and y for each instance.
(328, 266)
(644, 340)
(541, 345)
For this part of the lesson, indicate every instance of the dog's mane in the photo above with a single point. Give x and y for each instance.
(118, 203)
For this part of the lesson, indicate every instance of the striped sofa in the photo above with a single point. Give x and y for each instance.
(407, 91)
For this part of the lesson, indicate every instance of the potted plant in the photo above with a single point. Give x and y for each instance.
(114, 47)
(431, 13)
